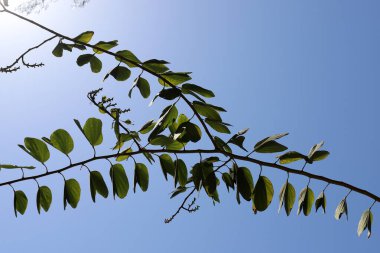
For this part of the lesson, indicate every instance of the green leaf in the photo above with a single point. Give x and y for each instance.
(149, 157)
(20, 202)
(147, 127)
(71, 193)
(61, 140)
(319, 155)
(141, 177)
(287, 197)
(187, 87)
(120, 73)
(124, 155)
(341, 209)
(365, 222)
(263, 193)
(161, 140)
(244, 182)
(169, 94)
(242, 132)
(268, 145)
(321, 202)
(238, 140)
(271, 147)
(95, 64)
(217, 108)
(84, 59)
(221, 144)
(120, 183)
(174, 126)
(78, 46)
(167, 118)
(58, 50)
(92, 130)
(156, 66)
(84, 37)
(207, 111)
(36, 148)
(188, 131)
(211, 159)
(105, 45)
(167, 165)
(129, 56)
(197, 174)
(218, 126)
(209, 180)
(178, 190)
(10, 166)
(97, 185)
(67, 47)
(176, 145)
(305, 201)
(180, 173)
(44, 198)
(144, 87)
(228, 181)
(175, 78)
(290, 156)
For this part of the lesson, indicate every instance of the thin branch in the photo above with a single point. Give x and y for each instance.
(180, 208)
(92, 99)
(307, 174)
(21, 57)
(96, 158)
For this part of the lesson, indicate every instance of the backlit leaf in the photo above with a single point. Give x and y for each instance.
(95, 64)
(175, 78)
(341, 209)
(141, 177)
(44, 198)
(120, 73)
(244, 182)
(20, 202)
(287, 197)
(167, 165)
(84, 37)
(290, 156)
(36, 148)
(61, 140)
(366, 221)
(263, 193)
(269, 145)
(321, 202)
(120, 183)
(305, 201)
(97, 185)
(197, 89)
(129, 56)
(180, 172)
(105, 45)
(71, 193)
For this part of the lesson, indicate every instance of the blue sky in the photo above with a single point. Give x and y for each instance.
(310, 68)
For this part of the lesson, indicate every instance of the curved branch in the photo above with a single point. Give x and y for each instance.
(21, 57)
(214, 151)
(307, 174)
(139, 65)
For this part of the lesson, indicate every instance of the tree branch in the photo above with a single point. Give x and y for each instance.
(139, 65)
(10, 68)
(216, 150)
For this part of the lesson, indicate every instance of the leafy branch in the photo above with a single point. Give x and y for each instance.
(173, 132)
